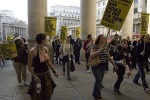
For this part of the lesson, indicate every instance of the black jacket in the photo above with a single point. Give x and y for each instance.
(118, 55)
(141, 58)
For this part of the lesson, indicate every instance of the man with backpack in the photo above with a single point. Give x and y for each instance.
(87, 47)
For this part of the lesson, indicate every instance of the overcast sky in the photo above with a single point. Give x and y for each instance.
(19, 7)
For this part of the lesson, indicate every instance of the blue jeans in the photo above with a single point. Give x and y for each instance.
(98, 72)
(141, 73)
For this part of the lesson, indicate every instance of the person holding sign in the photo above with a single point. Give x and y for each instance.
(99, 70)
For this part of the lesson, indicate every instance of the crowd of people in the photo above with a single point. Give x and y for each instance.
(121, 53)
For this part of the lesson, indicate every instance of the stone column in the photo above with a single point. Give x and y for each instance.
(1, 29)
(127, 28)
(88, 18)
(37, 10)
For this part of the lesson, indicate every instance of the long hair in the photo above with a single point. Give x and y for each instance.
(98, 38)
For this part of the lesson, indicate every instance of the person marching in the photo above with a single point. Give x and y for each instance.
(141, 57)
(121, 58)
(39, 64)
(99, 70)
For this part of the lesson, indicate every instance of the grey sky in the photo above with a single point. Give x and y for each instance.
(19, 7)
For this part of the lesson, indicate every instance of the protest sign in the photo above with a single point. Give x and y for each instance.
(115, 13)
(63, 34)
(10, 38)
(78, 32)
(50, 26)
(8, 50)
(144, 23)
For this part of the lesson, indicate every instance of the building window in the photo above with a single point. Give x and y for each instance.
(134, 28)
(135, 10)
(99, 11)
(135, 1)
(103, 3)
(99, 4)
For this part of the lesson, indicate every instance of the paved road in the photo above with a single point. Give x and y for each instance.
(80, 88)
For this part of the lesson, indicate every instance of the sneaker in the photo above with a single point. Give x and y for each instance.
(88, 71)
(102, 86)
(117, 92)
(100, 97)
(129, 77)
(64, 73)
(136, 82)
(96, 98)
(20, 84)
(26, 84)
(148, 72)
(69, 79)
(147, 90)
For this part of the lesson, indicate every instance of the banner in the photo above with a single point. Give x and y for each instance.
(63, 34)
(78, 32)
(8, 50)
(10, 38)
(144, 23)
(115, 13)
(50, 26)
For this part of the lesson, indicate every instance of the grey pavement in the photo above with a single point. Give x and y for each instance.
(80, 88)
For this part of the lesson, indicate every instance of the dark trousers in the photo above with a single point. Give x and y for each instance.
(77, 57)
(87, 55)
(147, 66)
(141, 73)
(133, 63)
(120, 73)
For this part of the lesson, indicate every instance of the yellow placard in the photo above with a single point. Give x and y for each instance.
(144, 23)
(50, 26)
(115, 13)
(10, 38)
(8, 50)
(78, 32)
(63, 34)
